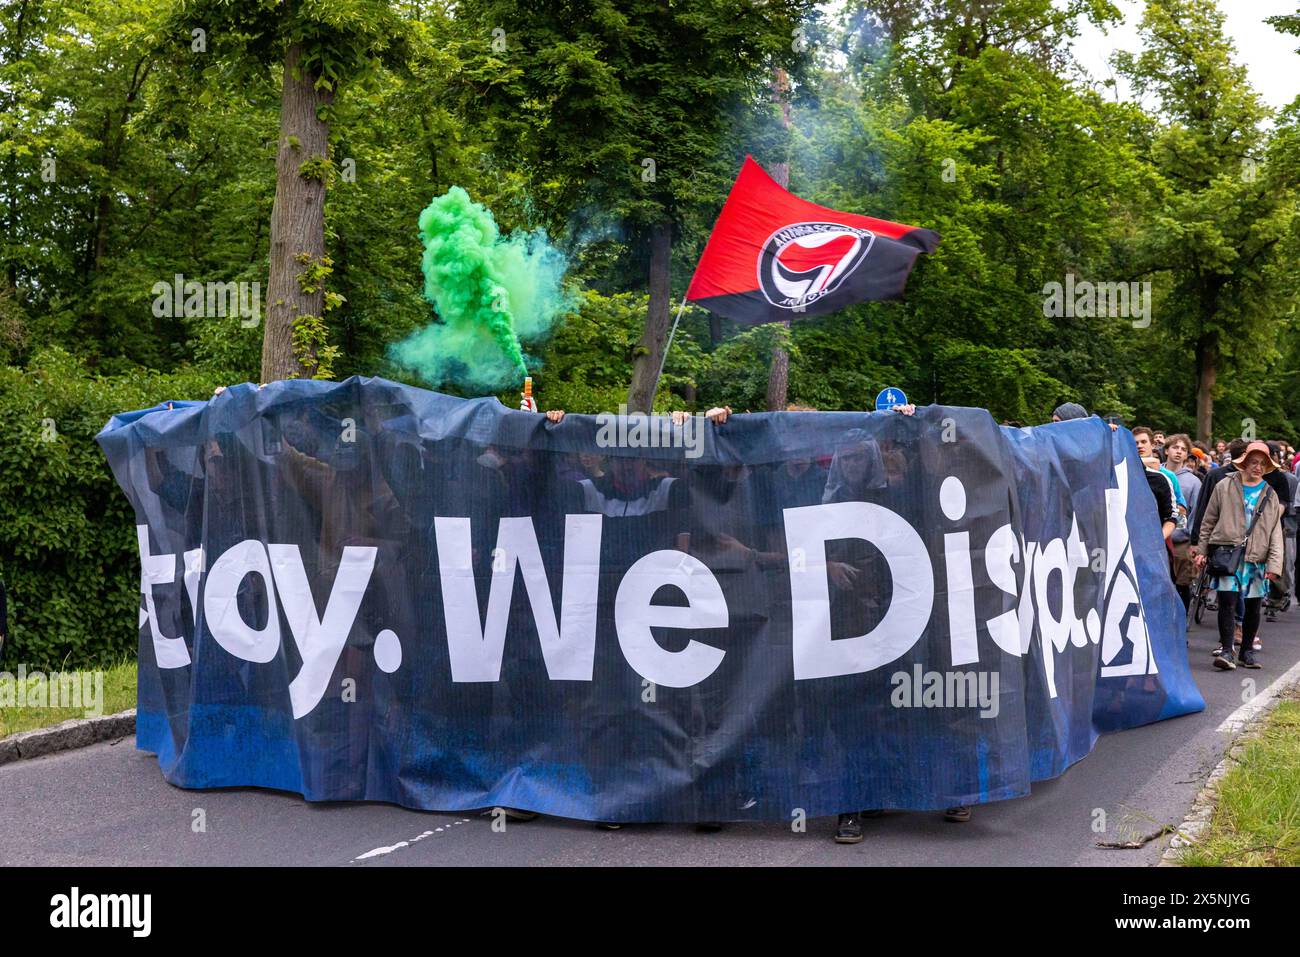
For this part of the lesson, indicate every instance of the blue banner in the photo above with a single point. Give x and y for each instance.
(367, 591)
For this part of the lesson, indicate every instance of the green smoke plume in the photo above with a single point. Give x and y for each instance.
(492, 294)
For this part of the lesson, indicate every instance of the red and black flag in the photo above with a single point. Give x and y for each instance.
(773, 256)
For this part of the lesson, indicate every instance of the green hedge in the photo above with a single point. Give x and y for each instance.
(67, 540)
(1007, 382)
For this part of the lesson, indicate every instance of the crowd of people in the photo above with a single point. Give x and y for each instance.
(1232, 530)
(1228, 513)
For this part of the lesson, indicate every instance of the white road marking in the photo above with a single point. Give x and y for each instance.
(380, 851)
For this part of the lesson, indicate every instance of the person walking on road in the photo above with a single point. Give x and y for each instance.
(1241, 539)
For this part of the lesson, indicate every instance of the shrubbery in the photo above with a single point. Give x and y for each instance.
(1008, 382)
(587, 363)
(67, 537)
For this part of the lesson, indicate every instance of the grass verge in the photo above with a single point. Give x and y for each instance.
(1256, 821)
(32, 703)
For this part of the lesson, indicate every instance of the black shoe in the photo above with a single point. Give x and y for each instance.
(1248, 660)
(1224, 662)
(958, 815)
(609, 826)
(849, 830)
(709, 827)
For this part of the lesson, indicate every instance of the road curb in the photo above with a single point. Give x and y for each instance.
(1202, 810)
(75, 733)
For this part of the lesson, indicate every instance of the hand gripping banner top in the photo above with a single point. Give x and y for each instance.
(773, 256)
(367, 591)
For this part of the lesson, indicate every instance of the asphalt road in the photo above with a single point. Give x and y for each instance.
(108, 805)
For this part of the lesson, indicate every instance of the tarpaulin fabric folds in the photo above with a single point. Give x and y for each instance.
(364, 590)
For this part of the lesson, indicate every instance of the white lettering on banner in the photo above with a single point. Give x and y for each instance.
(962, 638)
(817, 654)
(320, 641)
(222, 611)
(1125, 617)
(1002, 551)
(1066, 557)
(635, 616)
(158, 570)
(193, 559)
(1082, 630)
(1026, 607)
(476, 646)
(475, 649)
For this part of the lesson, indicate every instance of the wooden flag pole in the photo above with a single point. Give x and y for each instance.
(672, 332)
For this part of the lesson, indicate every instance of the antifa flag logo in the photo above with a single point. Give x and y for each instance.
(802, 263)
(772, 255)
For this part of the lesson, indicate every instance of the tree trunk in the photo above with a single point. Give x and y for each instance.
(650, 351)
(778, 376)
(297, 219)
(16, 53)
(1207, 367)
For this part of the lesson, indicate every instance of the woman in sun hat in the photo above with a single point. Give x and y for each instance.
(1243, 508)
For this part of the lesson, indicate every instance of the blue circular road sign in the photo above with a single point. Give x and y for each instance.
(890, 397)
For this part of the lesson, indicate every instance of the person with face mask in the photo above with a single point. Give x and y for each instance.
(1244, 520)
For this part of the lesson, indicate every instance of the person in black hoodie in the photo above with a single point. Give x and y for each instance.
(1164, 497)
